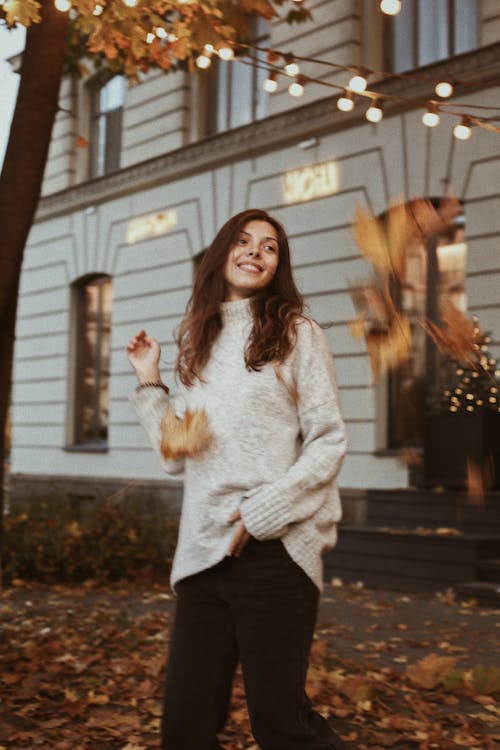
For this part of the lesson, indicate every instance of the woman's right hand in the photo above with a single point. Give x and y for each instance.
(143, 354)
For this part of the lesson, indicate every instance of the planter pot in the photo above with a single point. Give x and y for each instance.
(453, 439)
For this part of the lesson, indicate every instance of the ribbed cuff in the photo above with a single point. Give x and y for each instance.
(264, 513)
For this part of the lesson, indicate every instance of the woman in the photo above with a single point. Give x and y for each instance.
(260, 500)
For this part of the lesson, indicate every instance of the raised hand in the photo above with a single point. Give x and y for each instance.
(143, 354)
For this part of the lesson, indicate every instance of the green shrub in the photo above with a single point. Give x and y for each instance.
(57, 539)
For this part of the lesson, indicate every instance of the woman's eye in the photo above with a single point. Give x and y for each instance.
(271, 248)
(242, 241)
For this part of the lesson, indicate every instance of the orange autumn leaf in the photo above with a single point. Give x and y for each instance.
(456, 337)
(188, 436)
(480, 479)
(81, 142)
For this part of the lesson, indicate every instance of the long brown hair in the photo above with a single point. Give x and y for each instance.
(275, 309)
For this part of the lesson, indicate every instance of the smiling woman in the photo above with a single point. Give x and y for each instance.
(252, 261)
(260, 500)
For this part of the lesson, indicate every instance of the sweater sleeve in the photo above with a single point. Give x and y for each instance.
(150, 405)
(271, 508)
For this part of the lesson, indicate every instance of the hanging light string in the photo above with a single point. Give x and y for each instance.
(356, 87)
(374, 113)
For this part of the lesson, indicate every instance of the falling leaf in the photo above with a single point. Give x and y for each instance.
(456, 337)
(188, 436)
(81, 142)
(480, 479)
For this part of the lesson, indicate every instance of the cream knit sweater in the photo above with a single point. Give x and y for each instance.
(272, 457)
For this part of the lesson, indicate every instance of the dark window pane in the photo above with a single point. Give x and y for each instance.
(106, 126)
(465, 28)
(403, 30)
(433, 31)
(93, 332)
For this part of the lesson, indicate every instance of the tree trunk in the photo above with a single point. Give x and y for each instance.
(21, 179)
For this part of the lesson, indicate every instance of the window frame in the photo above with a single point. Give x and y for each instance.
(389, 31)
(77, 441)
(112, 122)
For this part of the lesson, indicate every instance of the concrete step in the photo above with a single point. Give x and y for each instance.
(489, 570)
(484, 592)
(406, 560)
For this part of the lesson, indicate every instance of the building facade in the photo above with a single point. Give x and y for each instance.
(139, 179)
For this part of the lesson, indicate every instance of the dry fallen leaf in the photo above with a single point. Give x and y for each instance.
(428, 672)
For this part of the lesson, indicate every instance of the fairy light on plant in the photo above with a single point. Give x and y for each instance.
(62, 5)
(358, 84)
(444, 89)
(226, 53)
(296, 88)
(98, 10)
(463, 131)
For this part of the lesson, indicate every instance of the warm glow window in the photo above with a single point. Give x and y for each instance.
(235, 95)
(106, 126)
(434, 273)
(93, 299)
(429, 30)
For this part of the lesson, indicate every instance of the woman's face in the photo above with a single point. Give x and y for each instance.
(252, 261)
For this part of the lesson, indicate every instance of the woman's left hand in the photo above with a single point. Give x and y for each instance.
(240, 538)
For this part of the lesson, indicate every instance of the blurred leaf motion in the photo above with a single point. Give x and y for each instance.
(188, 436)
(385, 242)
(456, 337)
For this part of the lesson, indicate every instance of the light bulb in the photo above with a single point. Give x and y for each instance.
(97, 10)
(345, 102)
(209, 48)
(462, 131)
(150, 37)
(226, 53)
(374, 112)
(390, 7)
(62, 5)
(296, 89)
(358, 84)
(172, 37)
(130, 3)
(292, 69)
(444, 89)
(203, 61)
(270, 84)
(161, 33)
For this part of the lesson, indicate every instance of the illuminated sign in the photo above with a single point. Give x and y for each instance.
(152, 225)
(314, 181)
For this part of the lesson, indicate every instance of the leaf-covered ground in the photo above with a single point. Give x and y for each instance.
(81, 667)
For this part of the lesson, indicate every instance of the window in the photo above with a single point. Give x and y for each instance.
(106, 126)
(235, 95)
(429, 30)
(433, 273)
(93, 299)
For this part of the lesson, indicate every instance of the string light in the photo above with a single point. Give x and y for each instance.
(97, 10)
(374, 112)
(161, 33)
(226, 53)
(209, 48)
(431, 117)
(444, 89)
(345, 102)
(62, 5)
(463, 131)
(130, 3)
(203, 61)
(150, 37)
(270, 83)
(390, 7)
(291, 67)
(296, 88)
(358, 84)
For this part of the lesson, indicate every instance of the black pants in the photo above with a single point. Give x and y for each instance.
(260, 609)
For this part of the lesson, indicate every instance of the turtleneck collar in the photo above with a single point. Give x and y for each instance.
(239, 310)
